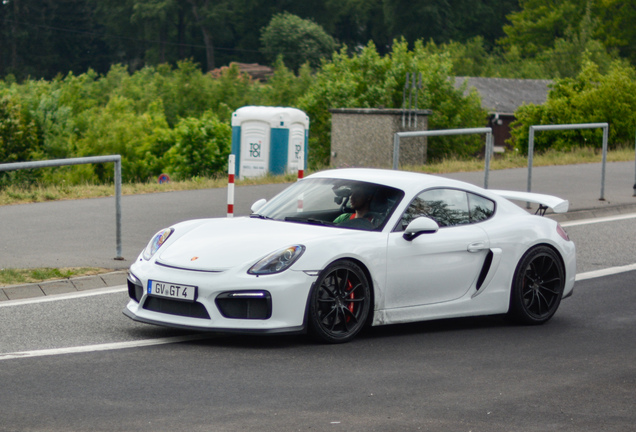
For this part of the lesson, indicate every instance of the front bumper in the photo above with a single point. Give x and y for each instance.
(227, 301)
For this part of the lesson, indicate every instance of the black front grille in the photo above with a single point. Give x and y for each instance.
(176, 307)
(245, 305)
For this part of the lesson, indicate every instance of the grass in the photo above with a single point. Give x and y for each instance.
(514, 160)
(41, 193)
(24, 276)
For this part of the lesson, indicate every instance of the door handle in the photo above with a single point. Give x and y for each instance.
(476, 247)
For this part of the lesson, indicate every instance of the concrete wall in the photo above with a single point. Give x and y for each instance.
(364, 137)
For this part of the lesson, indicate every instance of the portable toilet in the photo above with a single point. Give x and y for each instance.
(269, 140)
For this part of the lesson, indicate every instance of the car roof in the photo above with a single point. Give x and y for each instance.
(406, 180)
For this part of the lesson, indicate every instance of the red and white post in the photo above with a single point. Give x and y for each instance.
(231, 170)
(300, 163)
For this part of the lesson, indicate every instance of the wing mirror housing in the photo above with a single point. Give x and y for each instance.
(258, 205)
(419, 226)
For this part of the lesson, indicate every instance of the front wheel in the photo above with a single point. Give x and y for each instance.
(339, 303)
(537, 286)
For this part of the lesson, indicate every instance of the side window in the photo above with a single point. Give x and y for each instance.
(448, 207)
(480, 208)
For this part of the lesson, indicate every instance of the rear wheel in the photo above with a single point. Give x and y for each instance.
(537, 286)
(340, 303)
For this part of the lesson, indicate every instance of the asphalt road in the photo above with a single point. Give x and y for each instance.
(576, 373)
(81, 365)
(104, 372)
(82, 233)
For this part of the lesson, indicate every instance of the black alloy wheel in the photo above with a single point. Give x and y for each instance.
(339, 303)
(537, 286)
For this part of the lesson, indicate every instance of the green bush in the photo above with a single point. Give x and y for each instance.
(19, 140)
(201, 147)
(118, 129)
(590, 97)
(147, 117)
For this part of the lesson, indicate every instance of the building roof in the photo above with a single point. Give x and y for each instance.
(504, 95)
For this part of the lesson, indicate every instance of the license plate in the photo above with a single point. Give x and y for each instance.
(171, 290)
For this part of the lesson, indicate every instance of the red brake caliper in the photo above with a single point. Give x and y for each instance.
(350, 287)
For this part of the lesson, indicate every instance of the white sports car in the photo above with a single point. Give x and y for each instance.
(343, 249)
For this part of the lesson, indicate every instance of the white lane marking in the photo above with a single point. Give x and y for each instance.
(177, 339)
(598, 220)
(67, 296)
(102, 347)
(605, 272)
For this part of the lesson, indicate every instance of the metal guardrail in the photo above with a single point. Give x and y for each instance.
(446, 132)
(81, 161)
(533, 128)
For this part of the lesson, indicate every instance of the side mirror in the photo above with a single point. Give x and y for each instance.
(419, 226)
(258, 205)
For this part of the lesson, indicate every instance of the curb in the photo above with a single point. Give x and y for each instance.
(596, 212)
(63, 286)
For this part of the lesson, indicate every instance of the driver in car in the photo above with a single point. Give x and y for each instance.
(359, 202)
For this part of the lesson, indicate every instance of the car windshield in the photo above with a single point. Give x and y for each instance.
(334, 202)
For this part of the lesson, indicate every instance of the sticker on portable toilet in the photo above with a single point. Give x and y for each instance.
(254, 149)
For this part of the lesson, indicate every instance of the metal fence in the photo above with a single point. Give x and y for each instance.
(446, 132)
(604, 126)
(81, 161)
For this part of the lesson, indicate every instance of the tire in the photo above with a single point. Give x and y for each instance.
(339, 303)
(537, 286)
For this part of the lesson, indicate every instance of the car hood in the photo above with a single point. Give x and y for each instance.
(220, 244)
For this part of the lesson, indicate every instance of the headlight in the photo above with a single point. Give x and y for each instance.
(156, 242)
(278, 261)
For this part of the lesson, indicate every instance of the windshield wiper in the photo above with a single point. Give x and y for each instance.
(312, 221)
(259, 216)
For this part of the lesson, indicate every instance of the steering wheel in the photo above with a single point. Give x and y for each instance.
(343, 206)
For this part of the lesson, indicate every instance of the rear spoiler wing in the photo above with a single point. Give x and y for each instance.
(557, 204)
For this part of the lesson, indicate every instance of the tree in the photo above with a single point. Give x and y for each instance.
(370, 80)
(210, 18)
(540, 23)
(560, 37)
(616, 29)
(160, 19)
(590, 97)
(297, 40)
(447, 20)
(47, 37)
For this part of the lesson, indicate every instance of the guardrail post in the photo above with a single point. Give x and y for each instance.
(605, 135)
(118, 256)
(488, 156)
(530, 160)
(396, 151)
